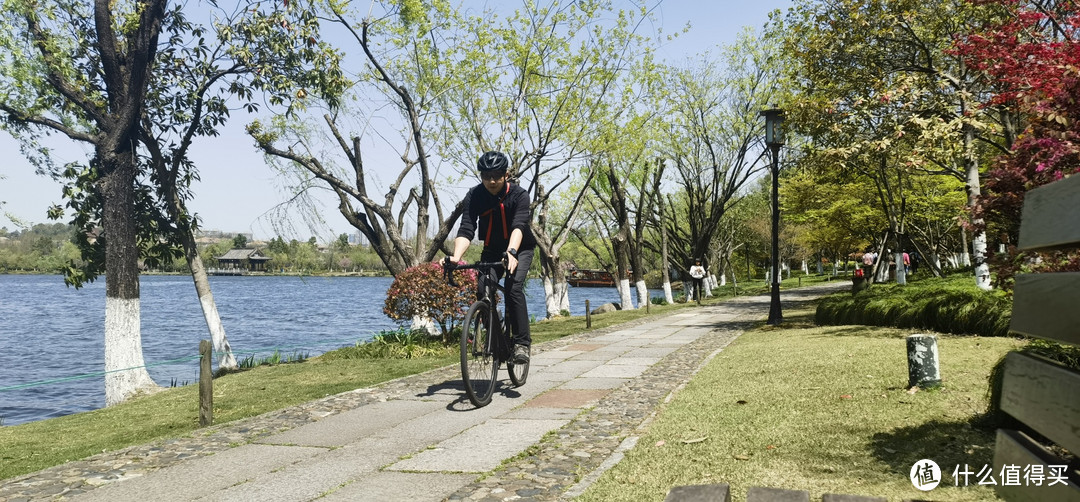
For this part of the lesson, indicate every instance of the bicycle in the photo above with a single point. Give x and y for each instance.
(485, 337)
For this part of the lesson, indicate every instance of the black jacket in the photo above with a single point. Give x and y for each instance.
(498, 216)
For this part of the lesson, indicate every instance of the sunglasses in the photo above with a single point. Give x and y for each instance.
(492, 176)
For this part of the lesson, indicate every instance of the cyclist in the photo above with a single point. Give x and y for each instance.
(502, 209)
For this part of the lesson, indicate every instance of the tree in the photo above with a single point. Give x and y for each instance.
(884, 70)
(92, 92)
(99, 76)
(1030, 56)
(413, 33)
(714, 139)
(552, 84)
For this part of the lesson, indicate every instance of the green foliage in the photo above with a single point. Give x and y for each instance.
(422, 291)
(273, 359)
(951, 305)
(400, 344)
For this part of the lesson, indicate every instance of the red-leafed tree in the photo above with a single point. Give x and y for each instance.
(1033, 58)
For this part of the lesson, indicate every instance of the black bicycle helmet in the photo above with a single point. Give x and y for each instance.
(492, 161)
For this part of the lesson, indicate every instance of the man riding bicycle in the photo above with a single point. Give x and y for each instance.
(502, 209)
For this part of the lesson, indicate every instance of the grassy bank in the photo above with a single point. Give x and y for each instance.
(823, 409)
(947, 305)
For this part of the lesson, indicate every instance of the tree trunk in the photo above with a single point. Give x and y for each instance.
(209, 309)
(974, 189)
(642, 292)
(125, 367)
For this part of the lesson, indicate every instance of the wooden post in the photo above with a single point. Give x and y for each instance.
(206, 384)
(648, 300)
(588, 316)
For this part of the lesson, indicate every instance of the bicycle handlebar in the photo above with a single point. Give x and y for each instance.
(449, 267)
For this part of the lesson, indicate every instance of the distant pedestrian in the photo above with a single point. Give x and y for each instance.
(914, 262)
(697, 272)
(907, 263)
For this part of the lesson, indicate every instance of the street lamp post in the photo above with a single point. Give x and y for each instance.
(774, 139)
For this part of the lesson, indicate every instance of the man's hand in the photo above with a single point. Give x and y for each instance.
(511, 263)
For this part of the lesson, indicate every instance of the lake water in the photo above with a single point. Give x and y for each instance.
(50, 332)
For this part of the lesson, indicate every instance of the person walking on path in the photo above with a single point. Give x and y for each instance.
(502, 210)
(697, 272)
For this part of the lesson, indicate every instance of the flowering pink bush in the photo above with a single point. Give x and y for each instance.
(422, 291)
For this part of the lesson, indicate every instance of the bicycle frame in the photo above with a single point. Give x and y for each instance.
(489, 286)
(485, 338)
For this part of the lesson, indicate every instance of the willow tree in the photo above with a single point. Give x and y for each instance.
(714, 138)
(409, 54)
(554, 77)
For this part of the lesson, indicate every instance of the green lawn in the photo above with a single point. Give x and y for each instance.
(822, 409)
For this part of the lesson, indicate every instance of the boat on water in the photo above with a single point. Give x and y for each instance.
(584, 278)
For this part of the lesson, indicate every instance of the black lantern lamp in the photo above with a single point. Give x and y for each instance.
(774, 139)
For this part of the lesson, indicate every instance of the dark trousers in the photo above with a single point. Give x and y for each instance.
(517, 309)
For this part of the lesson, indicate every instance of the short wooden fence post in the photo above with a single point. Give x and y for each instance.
(588, 316)
(206, 384)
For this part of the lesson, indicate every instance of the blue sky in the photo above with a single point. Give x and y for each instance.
(237, 188)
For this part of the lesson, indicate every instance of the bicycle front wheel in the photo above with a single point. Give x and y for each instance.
(479, 370)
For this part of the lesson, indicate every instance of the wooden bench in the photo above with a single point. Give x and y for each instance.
(1043, 394)
(721, 492)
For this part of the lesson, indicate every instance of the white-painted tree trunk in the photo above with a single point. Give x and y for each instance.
(667, 293)
(723, 280)
(624, 294)
(642, 293)
(426, 324)
(901, 272)
(125, 367)
(217, 332)
(805, 268)
(550, 300)
(708, 283)
(562, 291)
(982, 267)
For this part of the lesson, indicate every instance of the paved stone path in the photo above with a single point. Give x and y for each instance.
(418, 438)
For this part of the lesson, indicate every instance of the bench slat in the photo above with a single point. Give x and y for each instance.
(1043, 395)
(1046, 306)
(1051, 216)
(1017, 449)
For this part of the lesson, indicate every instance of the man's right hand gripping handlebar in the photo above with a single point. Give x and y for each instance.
(448, 271)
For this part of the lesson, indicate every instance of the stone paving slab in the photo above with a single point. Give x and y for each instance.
(387, 486)
(616, 371)
(567, 398)
(536, 413)
(203, 476)
(308, 479)
(343, 428)
(594, 383)
(481, 448)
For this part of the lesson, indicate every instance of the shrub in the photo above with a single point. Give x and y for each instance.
(951, 305)
(422, 291)
(400, 344)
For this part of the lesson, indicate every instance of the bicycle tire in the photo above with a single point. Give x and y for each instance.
(519, 373)
(479, 369)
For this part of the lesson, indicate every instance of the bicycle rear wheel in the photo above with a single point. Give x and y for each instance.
(479, 370)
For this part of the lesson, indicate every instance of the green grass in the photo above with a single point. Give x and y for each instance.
(822, 409)
(949, 305)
